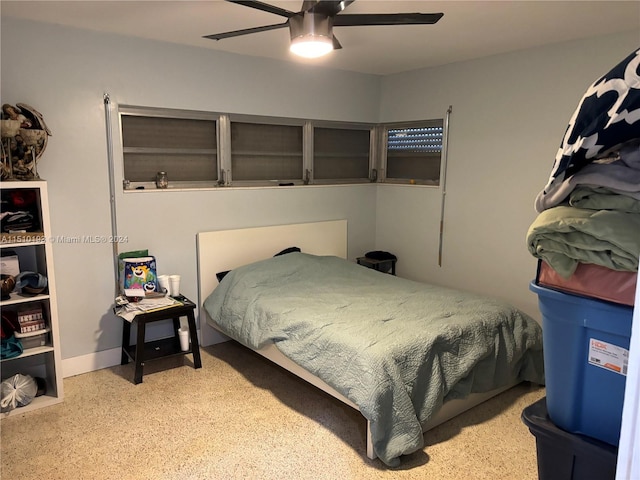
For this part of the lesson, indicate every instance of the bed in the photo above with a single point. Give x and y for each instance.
(405, 379)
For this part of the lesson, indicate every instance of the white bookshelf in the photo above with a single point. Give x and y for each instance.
(35, 253)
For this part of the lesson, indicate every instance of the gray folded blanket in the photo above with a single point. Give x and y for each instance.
(621, 176)
(601, 198)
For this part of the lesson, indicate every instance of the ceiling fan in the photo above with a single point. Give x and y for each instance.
(311, 28)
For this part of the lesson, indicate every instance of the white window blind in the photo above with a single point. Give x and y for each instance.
(414, 151)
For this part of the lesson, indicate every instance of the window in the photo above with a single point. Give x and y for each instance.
(414, 151)
(205, 149)
(266, 152)
(169, 141)
(341, 154)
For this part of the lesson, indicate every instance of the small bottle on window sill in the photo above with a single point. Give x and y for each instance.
(162, 181)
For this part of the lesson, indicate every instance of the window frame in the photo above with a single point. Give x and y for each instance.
(227, 157)
(377, 162)
(343, 126)
(384, 149)
(157, 112)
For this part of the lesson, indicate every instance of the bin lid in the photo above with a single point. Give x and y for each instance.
(535, 417)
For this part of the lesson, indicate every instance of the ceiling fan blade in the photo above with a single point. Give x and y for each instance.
(265, 7)
(325, 7)
(246, 31)
(354, 20)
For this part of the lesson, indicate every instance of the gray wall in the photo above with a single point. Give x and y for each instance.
(509, 113)
(64, 73)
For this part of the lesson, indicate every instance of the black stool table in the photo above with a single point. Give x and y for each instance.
(145, 351)
(380, 265)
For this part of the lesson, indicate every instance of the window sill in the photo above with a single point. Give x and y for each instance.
(151, 188)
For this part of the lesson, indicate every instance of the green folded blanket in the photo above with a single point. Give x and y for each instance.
(565, 236)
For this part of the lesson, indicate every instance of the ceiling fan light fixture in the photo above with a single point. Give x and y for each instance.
(311, 46)
(311, 35)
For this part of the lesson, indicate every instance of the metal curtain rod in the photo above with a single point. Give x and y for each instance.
(443, 179)
(112, 190)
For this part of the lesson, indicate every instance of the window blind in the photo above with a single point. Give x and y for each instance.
(184, 148)
(266, 151)
(340, 153)
(414, 151)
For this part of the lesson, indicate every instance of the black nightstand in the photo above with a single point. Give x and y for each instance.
(387, 266)
(145, 351)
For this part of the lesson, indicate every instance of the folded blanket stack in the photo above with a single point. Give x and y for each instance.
(589, 211)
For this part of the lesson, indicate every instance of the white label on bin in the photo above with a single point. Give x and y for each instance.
(609, 356)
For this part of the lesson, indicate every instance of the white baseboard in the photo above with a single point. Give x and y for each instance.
(109, 358)
(90, 362)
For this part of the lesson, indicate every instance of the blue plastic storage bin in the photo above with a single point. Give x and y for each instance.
(586, 352)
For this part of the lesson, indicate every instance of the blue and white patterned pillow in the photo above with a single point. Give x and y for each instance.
(607, 117)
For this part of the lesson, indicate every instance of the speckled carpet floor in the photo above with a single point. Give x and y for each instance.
(242, 417)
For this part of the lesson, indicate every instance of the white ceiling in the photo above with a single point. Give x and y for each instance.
(468, 30)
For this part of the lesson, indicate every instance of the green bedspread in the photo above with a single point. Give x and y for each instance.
(398, 349)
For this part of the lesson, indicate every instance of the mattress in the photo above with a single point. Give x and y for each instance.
(593, 281)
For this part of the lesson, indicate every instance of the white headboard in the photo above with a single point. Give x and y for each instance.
(223, 250)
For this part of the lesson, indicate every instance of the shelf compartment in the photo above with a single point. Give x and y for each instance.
(36, 403)
(17, 298)
(42, 366)
(28, 352)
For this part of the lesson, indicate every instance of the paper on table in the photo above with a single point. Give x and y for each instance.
(129, 310)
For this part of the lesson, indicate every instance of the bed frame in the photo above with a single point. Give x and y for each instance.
(223, 250)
